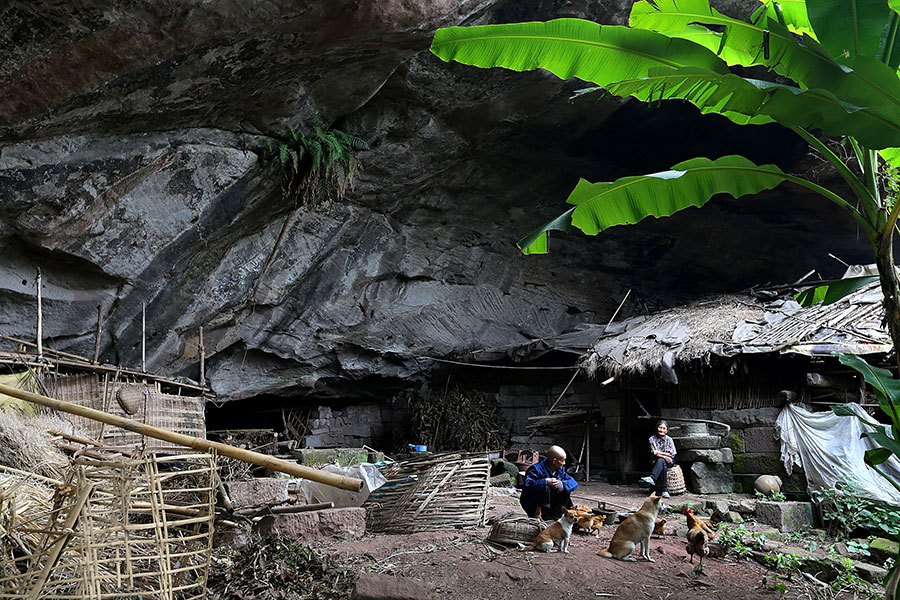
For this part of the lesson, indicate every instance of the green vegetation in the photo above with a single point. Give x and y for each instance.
(772, 496)
(839, 61)
(319, 165)
(844, 509)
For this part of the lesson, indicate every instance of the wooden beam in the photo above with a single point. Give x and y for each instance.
(262, 460)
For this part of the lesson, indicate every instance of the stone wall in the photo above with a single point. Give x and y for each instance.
(753, 447)
(347, 427)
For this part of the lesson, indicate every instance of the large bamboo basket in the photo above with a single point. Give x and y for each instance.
(517, 530)
(675, 480)
(117, 528)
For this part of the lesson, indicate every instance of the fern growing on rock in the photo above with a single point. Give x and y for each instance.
(318, 165)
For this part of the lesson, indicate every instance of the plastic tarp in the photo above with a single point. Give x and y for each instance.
(829, 450)
(318, 492)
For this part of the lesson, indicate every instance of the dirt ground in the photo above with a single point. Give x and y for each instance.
(458, 565)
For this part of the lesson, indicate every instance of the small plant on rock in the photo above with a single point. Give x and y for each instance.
(772, 496)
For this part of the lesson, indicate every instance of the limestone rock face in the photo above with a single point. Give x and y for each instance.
(134, 170)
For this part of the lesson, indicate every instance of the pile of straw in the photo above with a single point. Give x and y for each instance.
(25, 444)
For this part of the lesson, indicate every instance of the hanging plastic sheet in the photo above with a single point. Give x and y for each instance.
(317, 492)
(829, 449)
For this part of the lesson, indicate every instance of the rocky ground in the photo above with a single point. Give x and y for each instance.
(461, 565)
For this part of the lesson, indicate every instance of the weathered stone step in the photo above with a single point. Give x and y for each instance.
(697, 442)
(317, 524)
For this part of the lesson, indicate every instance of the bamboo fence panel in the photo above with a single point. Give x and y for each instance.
(431, 493)
(133, 528)
(138, 401)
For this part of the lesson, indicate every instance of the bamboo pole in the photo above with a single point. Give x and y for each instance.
(262, 460)
(99, 332)
(143, 338)
(40, 328)
(202, 361)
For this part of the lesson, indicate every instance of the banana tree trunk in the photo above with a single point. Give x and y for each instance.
(890, 288)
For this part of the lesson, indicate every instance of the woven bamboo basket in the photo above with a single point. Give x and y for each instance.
(675, 480)
(516, 530)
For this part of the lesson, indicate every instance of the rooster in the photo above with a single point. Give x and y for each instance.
(697, 536)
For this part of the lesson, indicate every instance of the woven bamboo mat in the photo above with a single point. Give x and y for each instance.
(431, 493)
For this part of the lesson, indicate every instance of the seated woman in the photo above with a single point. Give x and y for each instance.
(663, 450)
(547, 488)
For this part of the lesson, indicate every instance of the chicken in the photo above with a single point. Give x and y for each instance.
(659, 528)
(697, 536)
(591, 523)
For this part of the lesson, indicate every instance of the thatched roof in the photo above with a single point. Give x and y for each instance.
(730, 324)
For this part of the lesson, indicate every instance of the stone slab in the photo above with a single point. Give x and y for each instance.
(721, 455)
(767, 464)
(883, 549)
(737, 418)
(697, 442)
(761, 439)
(711, 478)
(378, 586)
(786, 516)
(735, 440)
(316, 525)
(257, 491)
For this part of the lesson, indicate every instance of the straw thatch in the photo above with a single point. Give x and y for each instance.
(687, 338)
(655, 344)
(25, 444)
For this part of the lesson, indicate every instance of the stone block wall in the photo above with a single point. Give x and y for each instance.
(752, 443)
(346, 427)
(519, 402)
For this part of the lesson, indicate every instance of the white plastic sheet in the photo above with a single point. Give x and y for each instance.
(829, 449)
(318, 492)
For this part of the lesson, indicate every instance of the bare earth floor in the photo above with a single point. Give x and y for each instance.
(458, 565)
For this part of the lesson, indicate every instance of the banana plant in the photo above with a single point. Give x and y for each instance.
(839, 58)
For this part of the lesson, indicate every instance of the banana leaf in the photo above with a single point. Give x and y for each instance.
(771, 44)
(750, 101)
(628, 200)
(851, 28)
(569, 48)
(832, 292)
(790, 13)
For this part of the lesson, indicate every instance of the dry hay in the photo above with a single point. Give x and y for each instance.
(279, 568)
(455, 420)
(25, 444)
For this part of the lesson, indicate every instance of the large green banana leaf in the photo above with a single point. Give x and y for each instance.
(622, 56)
(851, 28)
(628, 200)
(830, 293)
(771, 44)
(790, 13)
(571, 48)
(753, 101)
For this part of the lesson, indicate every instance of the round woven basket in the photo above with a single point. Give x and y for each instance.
(675, 480)
(513, 531)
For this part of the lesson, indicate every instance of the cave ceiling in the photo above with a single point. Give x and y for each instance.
(134, 171)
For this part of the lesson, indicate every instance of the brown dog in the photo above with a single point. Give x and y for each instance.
(558, 533)
(634, 529)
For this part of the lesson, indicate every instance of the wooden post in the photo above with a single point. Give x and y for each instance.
(143, 338)
(99, 332)
(202, 361)
(40, 325)
(262, 460)
(587, 447)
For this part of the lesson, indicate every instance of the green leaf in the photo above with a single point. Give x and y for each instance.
(891, 156)
(842, 410)
(877, 456)
(790, 13)
(628, 200)
(571, 48)
(832, 292)
(884, 440)
(880, 379)
(868, 84)
(851, 28)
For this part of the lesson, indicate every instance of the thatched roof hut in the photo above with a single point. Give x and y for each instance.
(690, 337)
